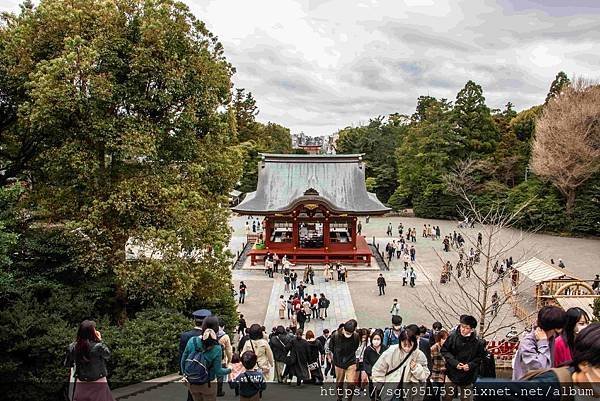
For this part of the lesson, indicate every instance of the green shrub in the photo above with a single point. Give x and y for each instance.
(145, 347)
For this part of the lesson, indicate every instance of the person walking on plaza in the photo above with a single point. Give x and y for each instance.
(463, 352)
(260, 346)
(212, 353)
(326, 272)
(88, 356)
(395, 310)
(286, 280)
(242, 292)
(381, 284)
(294, 280)
(405, 276)
(241, 330)
(343, 345)
(281, 306)
(413, 277)
(323, 306)
(389, 231)
(413, 254)
(406, 260)
(536, 349)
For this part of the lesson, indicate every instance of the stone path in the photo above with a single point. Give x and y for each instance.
(340, 310)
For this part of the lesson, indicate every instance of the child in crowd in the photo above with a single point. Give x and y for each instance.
(250, 383)
(236, 369)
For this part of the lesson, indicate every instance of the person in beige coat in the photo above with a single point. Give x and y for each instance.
(402, 367)
(225, 342)
(260, 346)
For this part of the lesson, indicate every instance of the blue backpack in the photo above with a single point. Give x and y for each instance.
(195, 368)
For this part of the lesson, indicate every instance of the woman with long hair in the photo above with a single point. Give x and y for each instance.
(89, 355)
(577, 320)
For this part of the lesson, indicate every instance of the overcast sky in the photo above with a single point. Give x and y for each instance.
(318, 66)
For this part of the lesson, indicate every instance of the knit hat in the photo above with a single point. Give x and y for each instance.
(468, 320)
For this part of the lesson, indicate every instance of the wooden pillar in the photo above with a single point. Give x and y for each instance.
(267, 232)
(295, 233)
(353, 232)
(326, 238)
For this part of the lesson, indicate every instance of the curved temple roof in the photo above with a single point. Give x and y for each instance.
(286, 180)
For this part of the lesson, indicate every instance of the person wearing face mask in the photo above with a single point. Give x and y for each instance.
(536, 349)
(402, 368)
(372, 354)
(391, 335)
(362, 377)
(577, 320)
(462, 351)
(343, 345)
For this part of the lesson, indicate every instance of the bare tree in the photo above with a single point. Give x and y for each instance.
(566, 147)
(473, 295)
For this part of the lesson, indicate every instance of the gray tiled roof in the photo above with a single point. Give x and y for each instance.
(286, 180)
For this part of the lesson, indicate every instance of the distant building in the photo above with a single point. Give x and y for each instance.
(314, 145)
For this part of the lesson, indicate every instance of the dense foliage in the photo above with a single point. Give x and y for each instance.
(409, 159)
(120, 139)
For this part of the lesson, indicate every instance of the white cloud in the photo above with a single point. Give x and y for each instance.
(320, 65)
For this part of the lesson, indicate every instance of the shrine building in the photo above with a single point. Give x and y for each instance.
(311, 204)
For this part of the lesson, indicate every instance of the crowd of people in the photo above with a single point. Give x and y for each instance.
(407, 361)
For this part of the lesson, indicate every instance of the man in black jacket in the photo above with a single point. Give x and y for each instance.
(462, 351)
(343, 345)
(381, 284)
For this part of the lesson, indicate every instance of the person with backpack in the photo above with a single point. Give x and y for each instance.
(260, 346)
(323, 305)
(201, 362)
(199, 316)
(88, 355)
(462, 351)
(402, 367)
(391, 335)
(536, 349)
(343, 345)
(251, 383)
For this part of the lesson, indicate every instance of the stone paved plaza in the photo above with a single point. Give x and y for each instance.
(581, 256)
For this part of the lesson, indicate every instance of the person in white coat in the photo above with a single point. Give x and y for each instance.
(401, 371)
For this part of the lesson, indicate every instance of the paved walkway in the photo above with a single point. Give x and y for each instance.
(340, 310)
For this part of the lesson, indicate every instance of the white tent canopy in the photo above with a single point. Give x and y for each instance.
(538, 271)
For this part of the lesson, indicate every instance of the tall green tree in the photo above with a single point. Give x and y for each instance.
(429, 148)
(113, 111)
(472, 122)
(378, 141)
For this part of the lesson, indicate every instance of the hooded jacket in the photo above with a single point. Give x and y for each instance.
(391, 358)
